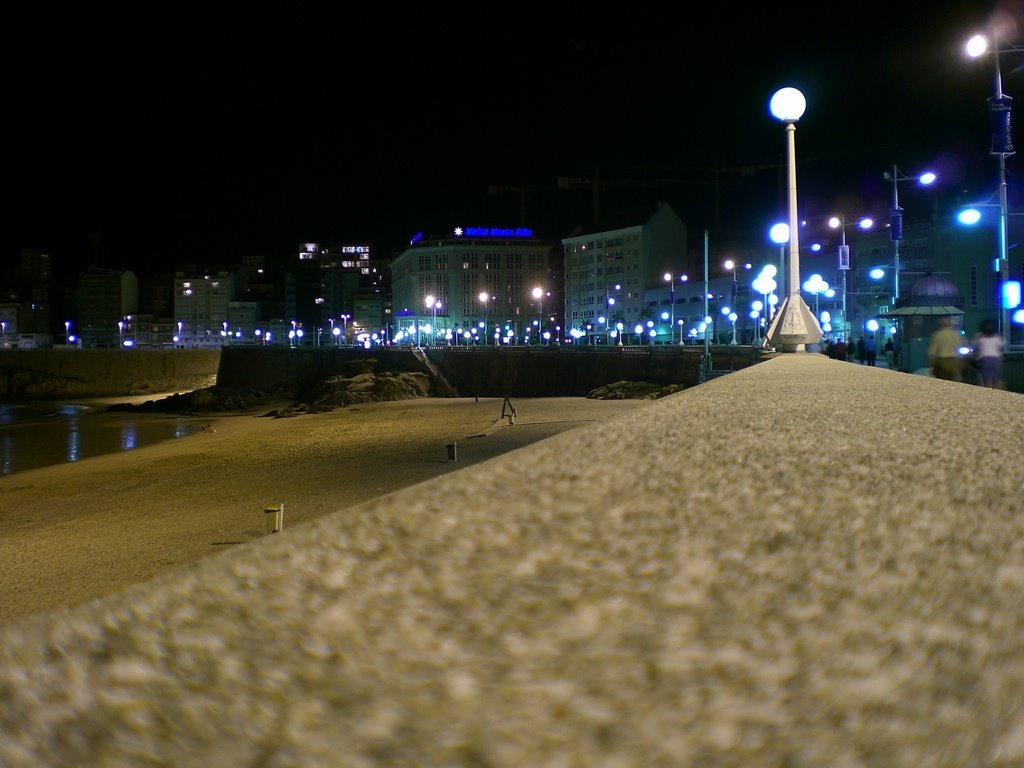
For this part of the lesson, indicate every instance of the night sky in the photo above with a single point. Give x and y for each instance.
(142, 134)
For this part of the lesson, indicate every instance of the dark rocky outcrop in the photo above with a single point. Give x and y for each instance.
(341, 391)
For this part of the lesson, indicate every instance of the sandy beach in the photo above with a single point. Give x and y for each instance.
(75, 532)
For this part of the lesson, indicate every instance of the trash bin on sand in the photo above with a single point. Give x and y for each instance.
(273, 518)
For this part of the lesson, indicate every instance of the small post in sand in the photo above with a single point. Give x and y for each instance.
(273, 518)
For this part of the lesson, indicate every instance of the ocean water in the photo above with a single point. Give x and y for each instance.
(43, 434)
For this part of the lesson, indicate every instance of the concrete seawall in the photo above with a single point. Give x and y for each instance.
(54, 374)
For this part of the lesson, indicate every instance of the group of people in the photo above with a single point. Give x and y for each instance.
(983, 363)
(864, 350)
(950, 355)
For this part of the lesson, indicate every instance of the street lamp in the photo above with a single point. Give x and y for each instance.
(609, 302)
(817, 285)
(1002, 145)
(730, 264)
(485, 299)
(67, 332)
(896, 220)
(756, 307)
(538, 296)
(896, 227)
(839, 222)
(794, 326)
(778, 234)
(120, 334)
(344, 327)
(670, 279)
(765, 285)
(432, 305)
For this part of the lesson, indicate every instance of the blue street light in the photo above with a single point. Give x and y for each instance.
(896, 219)
(1009, 290)
(670, 279)
(839, 222)
(765, 285)
(1000, 106)
(817, 285)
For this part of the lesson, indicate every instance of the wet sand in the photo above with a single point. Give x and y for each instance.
(74, 532)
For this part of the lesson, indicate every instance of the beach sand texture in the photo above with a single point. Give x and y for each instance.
(74, 532)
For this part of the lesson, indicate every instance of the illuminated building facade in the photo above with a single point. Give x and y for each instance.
(504, 265)
(609, 270)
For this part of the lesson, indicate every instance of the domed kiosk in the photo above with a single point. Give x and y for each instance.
(918, 315)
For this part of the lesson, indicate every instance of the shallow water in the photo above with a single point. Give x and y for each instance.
(43, 434)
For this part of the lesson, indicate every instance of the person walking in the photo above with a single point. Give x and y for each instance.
(839, 349)
(870, 355)
(944, 351)
(861, 350)
(988, 354)
(889, 350)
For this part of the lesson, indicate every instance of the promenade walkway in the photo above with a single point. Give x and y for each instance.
(804, 563)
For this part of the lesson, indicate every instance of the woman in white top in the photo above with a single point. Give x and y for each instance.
(988, 352)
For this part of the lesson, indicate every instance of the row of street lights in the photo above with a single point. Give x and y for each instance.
(790, 330)
(433, 304)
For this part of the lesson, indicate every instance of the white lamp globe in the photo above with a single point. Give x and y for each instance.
(779, 233)
(788, 105)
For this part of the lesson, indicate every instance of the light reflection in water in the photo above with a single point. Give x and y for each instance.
(40, 435)
(74, 437)
(8, 414)
(128, 436)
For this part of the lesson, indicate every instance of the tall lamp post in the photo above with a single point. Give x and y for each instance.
(432, 304)
(779, 234)
(896, 231)
(672, 309)
(730, 264)
(817, 285)
(839, 222)
(707, 319)
(794, 326)
(485, 300)
(896, 220)
(538, 296)
(765, 285)
(344, 327)
(670, 279)
(1000, 106)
